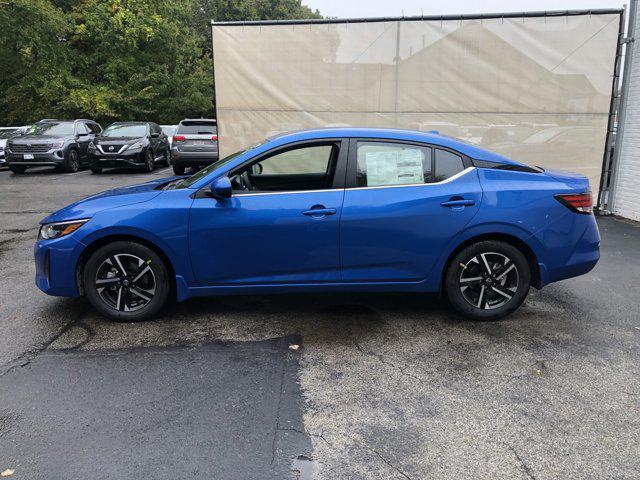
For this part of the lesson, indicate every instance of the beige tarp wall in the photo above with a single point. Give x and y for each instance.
(536, 89)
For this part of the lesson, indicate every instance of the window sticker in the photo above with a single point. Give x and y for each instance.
(395, 167)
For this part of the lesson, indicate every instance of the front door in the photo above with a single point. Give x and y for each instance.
(281, 225)
(403, 204)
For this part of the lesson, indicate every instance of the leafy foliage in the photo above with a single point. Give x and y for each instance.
(115, 59)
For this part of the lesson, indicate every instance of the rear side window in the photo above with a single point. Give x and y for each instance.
(386, 163)
(196, 127)
(447, 165)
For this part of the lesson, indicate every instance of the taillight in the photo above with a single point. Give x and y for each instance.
(179, 138)
(579, 203)
(214, 137)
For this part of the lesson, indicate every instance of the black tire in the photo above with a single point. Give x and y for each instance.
(123, 297)
(72, 162)
(167, 157)
(96, 170)
(178, 169)
(149, 161)
(18, 168)
(483, 295)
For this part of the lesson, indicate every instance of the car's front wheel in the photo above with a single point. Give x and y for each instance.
(488, 280)
(72, 162)
(126, 281)
(149, 161)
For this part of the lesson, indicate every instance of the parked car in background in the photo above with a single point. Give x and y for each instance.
(327, 210)
(63, 144)
(169, 131)
(195, 144)
(138, 145)
(5, 134)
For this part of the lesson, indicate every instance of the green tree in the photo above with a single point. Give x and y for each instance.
(116, 59)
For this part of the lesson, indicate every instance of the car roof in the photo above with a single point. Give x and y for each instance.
(432, 138)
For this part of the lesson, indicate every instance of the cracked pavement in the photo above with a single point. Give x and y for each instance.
(383, 386)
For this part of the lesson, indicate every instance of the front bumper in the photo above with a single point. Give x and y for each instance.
(52, 157)
(117, 160)
(56, 262)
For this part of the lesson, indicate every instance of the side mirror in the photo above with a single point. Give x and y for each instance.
(221, 188)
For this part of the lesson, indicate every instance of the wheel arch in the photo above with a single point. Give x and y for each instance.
(516, 242)
(100, 242)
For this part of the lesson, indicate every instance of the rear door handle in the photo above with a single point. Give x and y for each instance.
(319, 212)
(458, 203)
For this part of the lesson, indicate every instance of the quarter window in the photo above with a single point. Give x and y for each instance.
(386, 163)
(447, 165)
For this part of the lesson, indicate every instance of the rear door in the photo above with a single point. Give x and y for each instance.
(402, 205)
(200, 136)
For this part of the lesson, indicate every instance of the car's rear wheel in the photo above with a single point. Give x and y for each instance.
(17, 168)
(72, 162)
(488, 280)
(126, 281)
(178, 169)
(149, 161)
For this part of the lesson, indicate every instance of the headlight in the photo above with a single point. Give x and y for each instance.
(92, 146)
(59, 144)
(49, 231)
(135, 146)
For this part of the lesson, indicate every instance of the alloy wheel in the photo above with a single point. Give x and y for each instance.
(125, 282)
(489, 280)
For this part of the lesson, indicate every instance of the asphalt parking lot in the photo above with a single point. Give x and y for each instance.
(382, 386)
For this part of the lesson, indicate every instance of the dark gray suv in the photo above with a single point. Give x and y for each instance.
(62, 144)
(195, 144)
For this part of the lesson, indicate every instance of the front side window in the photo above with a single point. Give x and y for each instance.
(387, 163)
(303, 168)
(82, 128)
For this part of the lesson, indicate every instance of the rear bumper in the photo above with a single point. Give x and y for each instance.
(193, 158)
(572, 248)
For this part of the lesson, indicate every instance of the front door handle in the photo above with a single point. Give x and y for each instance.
(319, 211)
(458, 203)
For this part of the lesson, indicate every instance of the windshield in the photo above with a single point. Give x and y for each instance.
(8, 133)
(197, 128)
(52, 128)
(125, 130)
(187, 182)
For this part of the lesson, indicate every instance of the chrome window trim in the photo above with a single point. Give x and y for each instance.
(447, 180)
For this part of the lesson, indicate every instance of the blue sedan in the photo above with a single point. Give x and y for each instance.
(325, 210)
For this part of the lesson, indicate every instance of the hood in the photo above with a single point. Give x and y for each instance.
(3, 142)
(24, 139)
(571, 179)
(118, 197)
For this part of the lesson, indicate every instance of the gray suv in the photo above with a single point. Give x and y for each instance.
(62, 144)
(195, 144)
